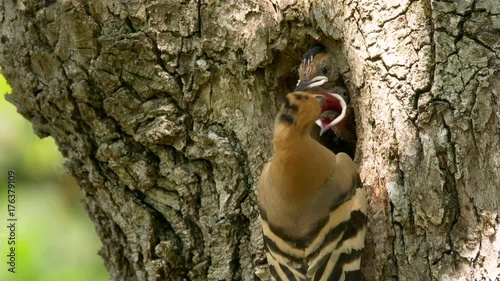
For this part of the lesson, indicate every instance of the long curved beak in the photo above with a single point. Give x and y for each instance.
(315, 82)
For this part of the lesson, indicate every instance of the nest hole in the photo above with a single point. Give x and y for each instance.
(289, 61)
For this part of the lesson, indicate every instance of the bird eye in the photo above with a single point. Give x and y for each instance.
(324, 70)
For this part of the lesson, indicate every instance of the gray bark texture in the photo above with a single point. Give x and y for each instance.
(164, 111)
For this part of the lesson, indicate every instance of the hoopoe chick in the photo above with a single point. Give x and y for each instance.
(317, 74)
(312, 205)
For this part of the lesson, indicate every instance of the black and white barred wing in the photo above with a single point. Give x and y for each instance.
(331, 252)
(336, 253)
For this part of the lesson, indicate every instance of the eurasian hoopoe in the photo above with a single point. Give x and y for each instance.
(312, 205)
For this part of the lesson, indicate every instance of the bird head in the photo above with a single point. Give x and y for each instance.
(300, 110)
(318, 75)
(317, 69)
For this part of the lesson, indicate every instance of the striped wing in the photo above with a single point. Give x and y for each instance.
(286, 261)
(283, 272)
(339, 255)
(332, 253)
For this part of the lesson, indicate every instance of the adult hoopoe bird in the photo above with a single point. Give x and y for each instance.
(312, 205)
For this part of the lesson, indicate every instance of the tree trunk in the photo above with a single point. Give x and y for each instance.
(164, 111)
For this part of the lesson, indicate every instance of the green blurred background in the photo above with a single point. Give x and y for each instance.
(55, 239)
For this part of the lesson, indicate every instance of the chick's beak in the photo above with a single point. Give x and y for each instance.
(333, 111)
(308, 84)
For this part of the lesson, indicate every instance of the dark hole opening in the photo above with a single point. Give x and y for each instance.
(287, 82)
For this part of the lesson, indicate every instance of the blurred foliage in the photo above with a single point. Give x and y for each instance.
(23, 148)
(55, 240)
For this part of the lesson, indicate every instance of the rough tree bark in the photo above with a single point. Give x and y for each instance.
(164, 112)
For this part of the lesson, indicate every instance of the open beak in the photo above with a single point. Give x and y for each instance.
(315, 82)
(333, 110)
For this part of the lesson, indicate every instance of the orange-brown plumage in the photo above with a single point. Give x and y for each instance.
(292, 144)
